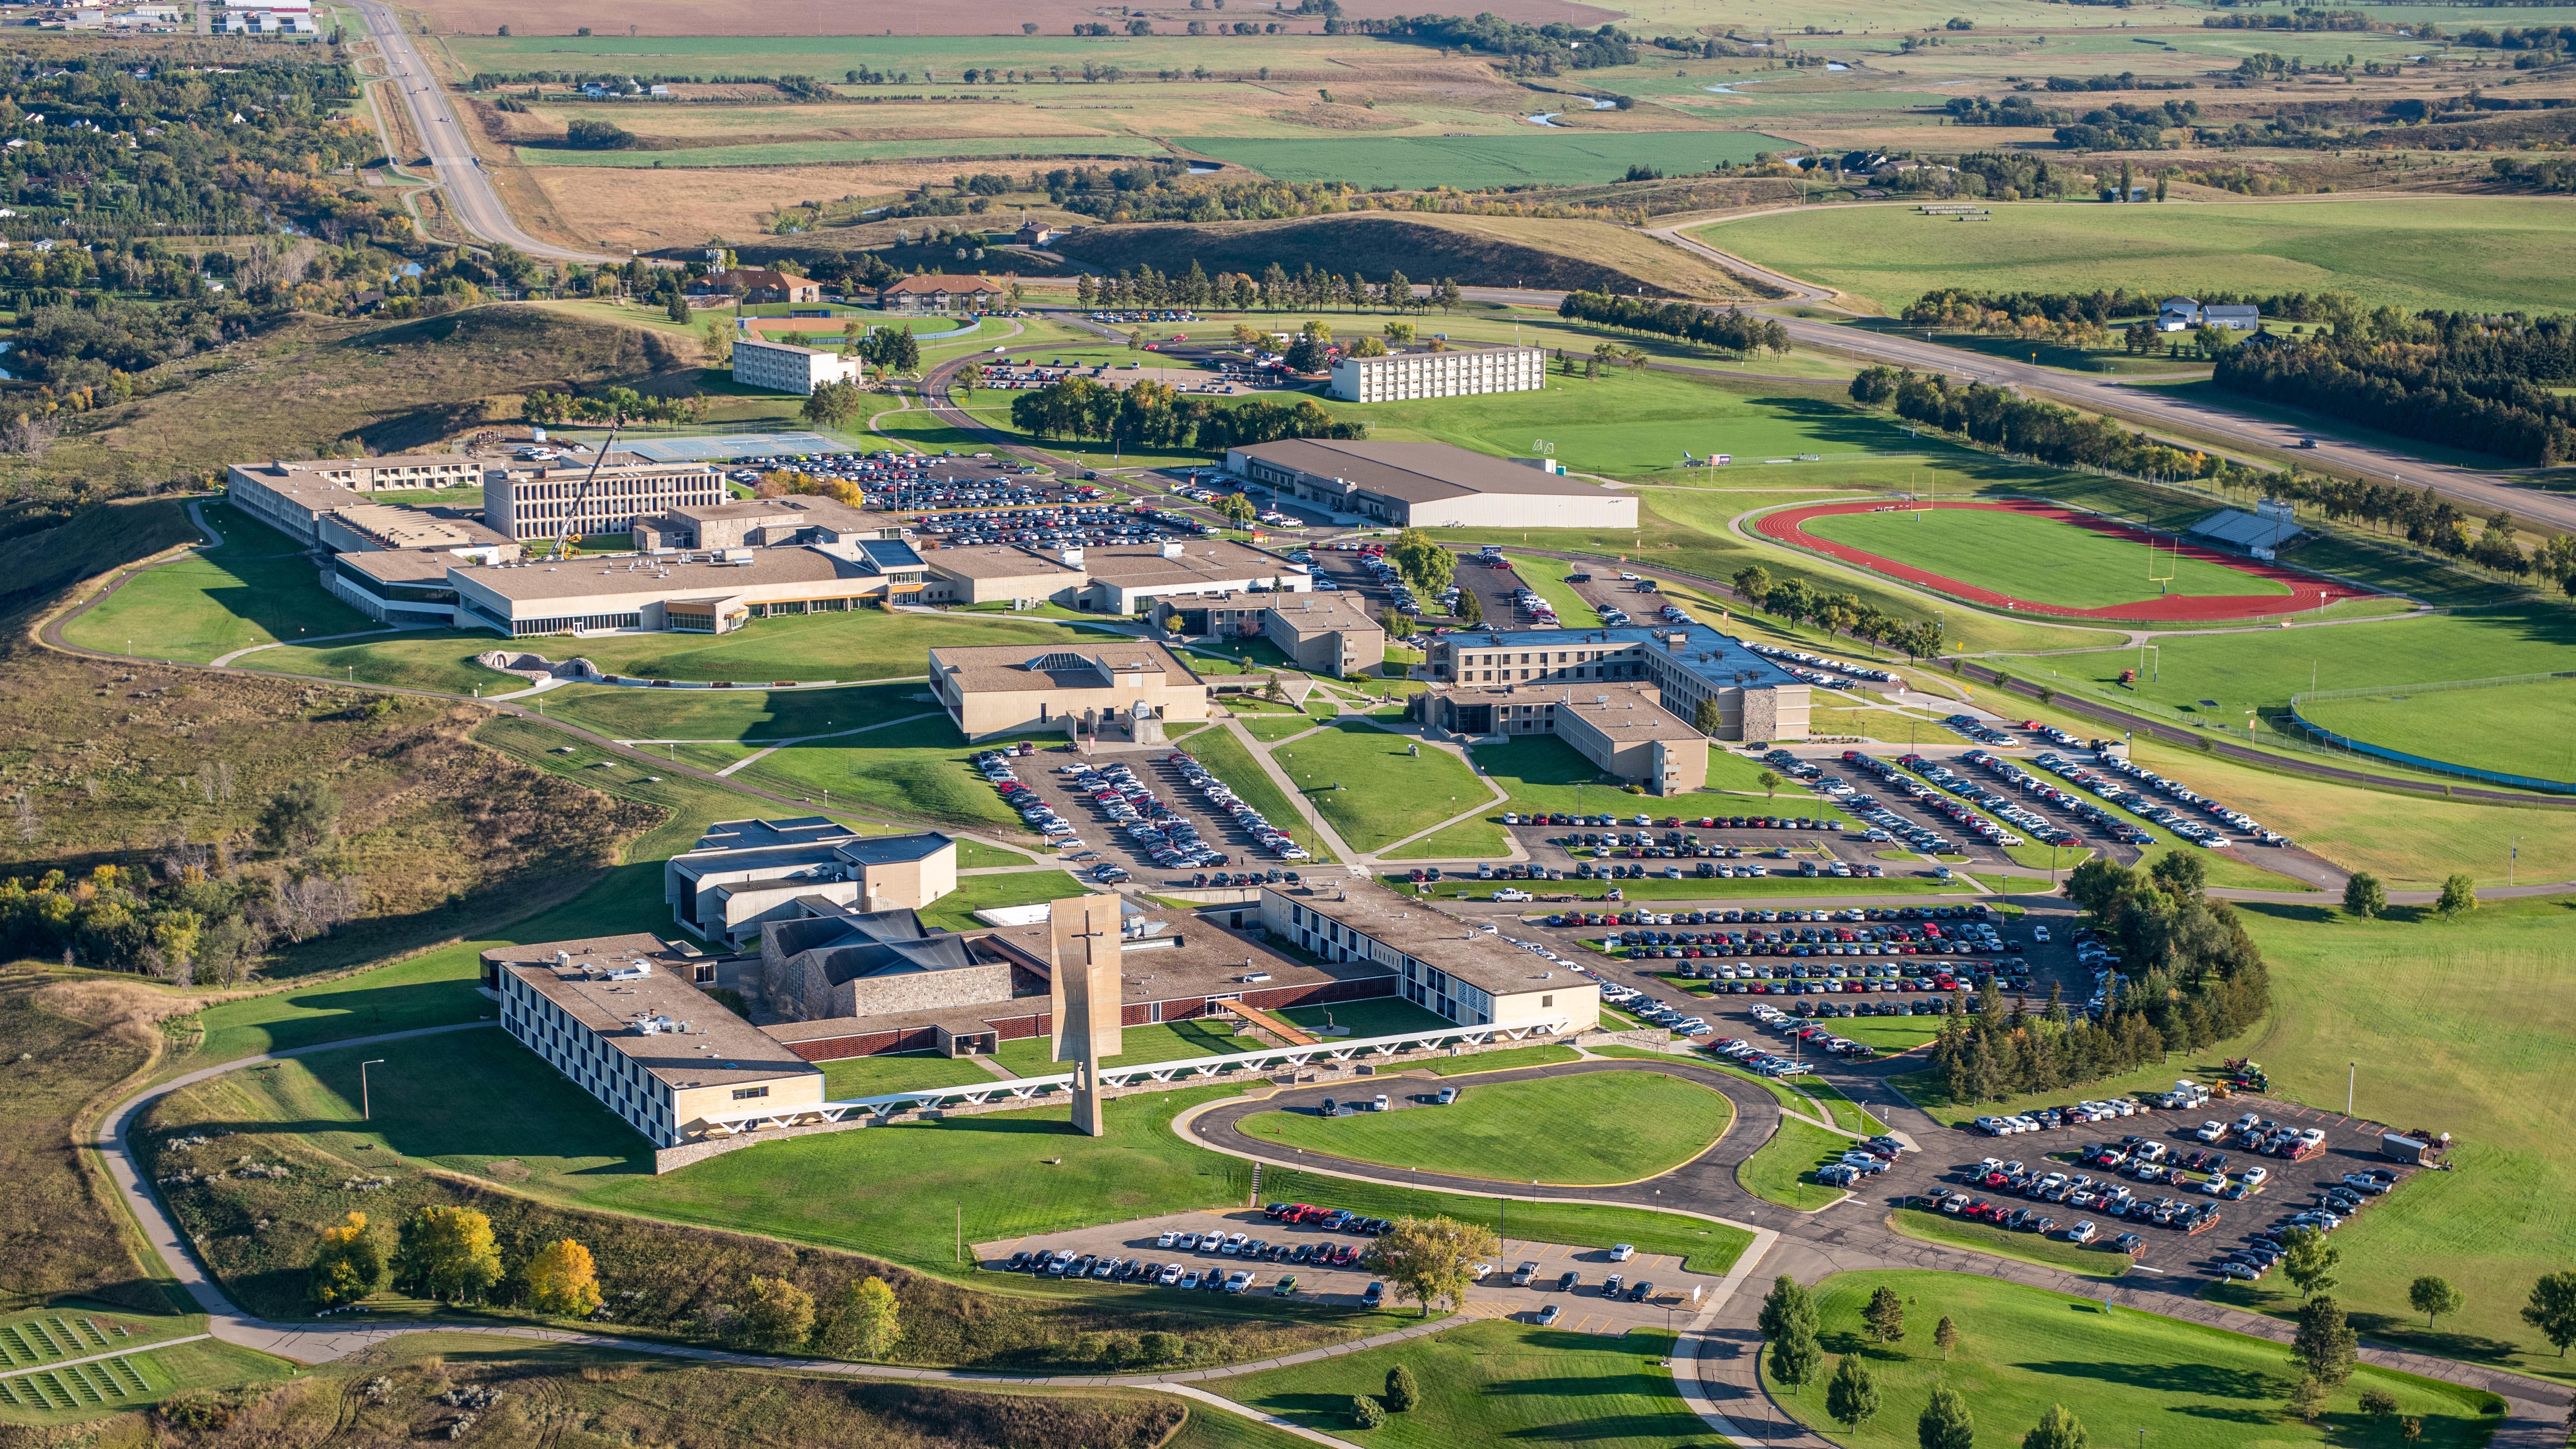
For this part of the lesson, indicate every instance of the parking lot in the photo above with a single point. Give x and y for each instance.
(1109, 839)
(1950, 1165)
(1583, 1309)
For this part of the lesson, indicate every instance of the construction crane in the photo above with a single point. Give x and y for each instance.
(563, 531)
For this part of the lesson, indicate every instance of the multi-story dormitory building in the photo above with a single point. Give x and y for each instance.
(1441, 964)
(622, 1018)
(535, 504)
(1687, 664)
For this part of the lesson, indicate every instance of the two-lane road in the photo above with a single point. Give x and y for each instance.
(470, 196)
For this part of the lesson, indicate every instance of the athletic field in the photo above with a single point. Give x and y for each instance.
(2041, 559)
(2513, 729)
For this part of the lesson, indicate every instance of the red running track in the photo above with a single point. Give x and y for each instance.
(2307, 591)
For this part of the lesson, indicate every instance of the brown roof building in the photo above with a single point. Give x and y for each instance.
(1010, 688)
(940, 292)
(760, 284)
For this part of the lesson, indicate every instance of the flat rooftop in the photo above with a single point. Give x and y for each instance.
(1720, 659)
(401, 528)
(997, 563)
(1018, 668)
(1306, 614)
(402, 566)
(712, 1047)
(661, 578)
(1415, 472)
(1479, 958)
(1193, 960)
(1200, 560)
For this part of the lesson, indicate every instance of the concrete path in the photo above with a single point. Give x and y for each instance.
(221, 661)
(1279, 777)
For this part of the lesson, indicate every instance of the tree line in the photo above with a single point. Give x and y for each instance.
(2188, 977)
(1274, 290)
(2015, 424)
(2431, 522)
(1798, 601)
(1728, 331)
(1153, 414)
(1968, 308)
(2468, 382)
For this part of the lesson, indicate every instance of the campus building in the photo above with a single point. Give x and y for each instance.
(1430, 485)
(1621, 728)
(398, 472)
(622, 1017)
(1454, 372)
(759, 285)
(743, 873)
(1320, 633)
(818, 522)
(712, 595)
(1121, 579)
(941, 292)
(786, 367)
(1687, 664)
(1120, 684)
(1471, 977)
(329, 504)
(538, 503)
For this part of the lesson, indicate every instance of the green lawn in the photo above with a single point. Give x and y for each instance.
(2473, 253)
(1840, 1110)
(909, 1071)
(1635, 1125)
(844, 153)
(2028, 557)
(1270, 729)
(1545, 1054)
(919, 769)
(757, 716)
(439, 659)
(956, 910)
(1374, 793)
(1782, 1170)
(256, 589)
(1159, 1042)
(181, 1368)
(2049, 1252)
(1384, 1016)
(1707, 1247)
(2513, 729)
(1547, 576)
(2182, 1385)
(2468, 1031)
(1568, 158)
(1226, 758)
(1496, 1382)
(1924, 1089)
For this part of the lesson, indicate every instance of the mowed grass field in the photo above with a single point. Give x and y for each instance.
(1373, 792)
(2517, 729)
(1545, 156)
(1634, 1125)
(2039, 559)
(2476, 253)
(258, 588)
(2462, 1027)
(2022, 1349)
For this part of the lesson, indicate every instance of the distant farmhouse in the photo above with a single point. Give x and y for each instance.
(2182, 314)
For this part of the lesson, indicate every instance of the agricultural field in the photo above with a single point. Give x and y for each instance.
(1636, 1125)
(2473, 1035)
(2505, 728)
(829, 153)
(2474, 253)
(2183, 1385)
(1539, 158)
(2034, 558)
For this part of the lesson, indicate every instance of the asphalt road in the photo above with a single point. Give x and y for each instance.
(470, 196)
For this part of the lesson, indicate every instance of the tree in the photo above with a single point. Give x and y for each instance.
(1402, 1393)
(678, 310)
(2378, 1404)
(2057, 1429)
(562, 1280)
(2552, 1309)
(1786, 1305)
(1708, 719)
(2325, 1344)
(1795, 1356)
(1769, 780)
(2459, 896)
(447, 1253)
(833, 404)
(776, 1316)
(2308, 1398)
(968, 378)
(1430, 1258)
(2182, 874)
(303, 816)
(1752, 583)
(1946, 1335)
(867, 1324)
(1851, 1396)
(1367, 1413)
(2410, 1428)
(1471, 609)
(348, 1265)
(1422, 560)
(719, 342)
(2434, 1296)
(2364, 896)
(1884, 1317)
(1368, 347)
(1945, 1423)
(2309, 1260)
(1238, 509)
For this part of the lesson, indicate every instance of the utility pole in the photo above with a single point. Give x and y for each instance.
(366, 1103)
(2352, 1076)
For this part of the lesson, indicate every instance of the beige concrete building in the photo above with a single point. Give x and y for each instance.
(535, 504)
(621, 1017)
(1471, 977)
(1621, 728)
(1121, 579)
(1688, 663)
(1321, 633)
(764, 523)
(392, 473)
(330, 504)
(703, 596)
(1114, 684)
(1454, 372)
(742, 873)
(786, 367)
(1430, 485)
(1006, 574)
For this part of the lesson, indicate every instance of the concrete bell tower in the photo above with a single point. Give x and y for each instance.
(1086, 996)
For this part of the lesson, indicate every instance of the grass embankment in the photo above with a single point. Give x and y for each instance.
(1636, 1125)
(2487, 729)
(1783, 1169)
(258, 588)
(1228, 759)
(2048, 1252)
(2183, 1385)
(1495, 1382)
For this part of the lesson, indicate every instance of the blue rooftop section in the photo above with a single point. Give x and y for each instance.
(1721, 659)
(888, 554)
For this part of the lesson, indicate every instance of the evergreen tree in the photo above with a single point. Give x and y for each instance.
(1851, 1397)
(1946, 1423)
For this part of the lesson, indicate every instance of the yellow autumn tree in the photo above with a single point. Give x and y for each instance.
(447, 1253)
(562, 1281)
(348, 1265)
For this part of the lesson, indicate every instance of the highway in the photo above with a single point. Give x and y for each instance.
(471, 198)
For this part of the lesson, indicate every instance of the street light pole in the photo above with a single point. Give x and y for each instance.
(366, 1102)
(2352, 1075)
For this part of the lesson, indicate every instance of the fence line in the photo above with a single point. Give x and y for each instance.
(2436, 687)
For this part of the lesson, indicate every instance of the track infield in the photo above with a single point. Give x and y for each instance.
(2269, 589)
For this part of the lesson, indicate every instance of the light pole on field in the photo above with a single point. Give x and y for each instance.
(2352, 1076)
(366, 1102)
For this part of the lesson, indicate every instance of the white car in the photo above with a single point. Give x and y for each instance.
(2039, 934)
(1623, 1252)
(2255, 1176)
(1168, 1238)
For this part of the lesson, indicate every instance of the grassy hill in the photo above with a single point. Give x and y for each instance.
(1474, 250)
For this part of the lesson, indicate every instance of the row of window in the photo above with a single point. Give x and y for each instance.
(635, 1095)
